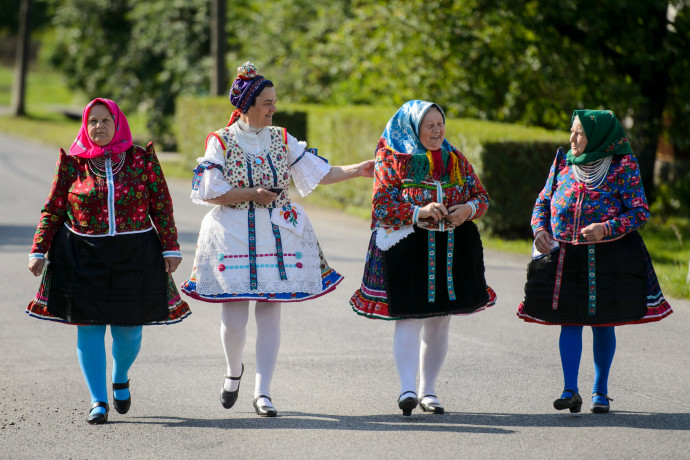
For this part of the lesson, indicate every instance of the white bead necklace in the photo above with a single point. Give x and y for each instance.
(97, 165)
(254, 141)
(592, 175)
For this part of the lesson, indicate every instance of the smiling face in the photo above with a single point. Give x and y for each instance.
(578, 139)
(261, 113)
(432, 129)
(100, 125)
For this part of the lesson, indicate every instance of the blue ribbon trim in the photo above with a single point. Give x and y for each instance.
(199, 172)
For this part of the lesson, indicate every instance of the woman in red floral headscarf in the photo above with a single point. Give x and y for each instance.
(108, 232)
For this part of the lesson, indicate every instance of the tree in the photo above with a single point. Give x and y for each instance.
(141, 54)
(218, 45)
(21, 58)
(527, 61)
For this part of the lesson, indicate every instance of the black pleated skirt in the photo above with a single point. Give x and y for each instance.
(614, 290)
(117, 280)
(406, 273)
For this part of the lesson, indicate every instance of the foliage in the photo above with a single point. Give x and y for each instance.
(41, 10)
(673, 197)
(528, 61)
(668, 242)
(140, 54)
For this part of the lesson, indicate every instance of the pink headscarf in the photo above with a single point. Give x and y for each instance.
(84, 147)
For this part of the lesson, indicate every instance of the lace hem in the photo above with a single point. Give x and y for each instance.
(212, 185)
(386, 237)
(308, 172)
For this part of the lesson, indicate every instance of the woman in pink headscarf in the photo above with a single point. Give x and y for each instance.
(108, 232)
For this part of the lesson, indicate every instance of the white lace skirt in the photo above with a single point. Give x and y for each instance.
(222, 263)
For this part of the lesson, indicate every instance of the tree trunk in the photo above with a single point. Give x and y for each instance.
(218, 39)
(21, 59)
(653, 80)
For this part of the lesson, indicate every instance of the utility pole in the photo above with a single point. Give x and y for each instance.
(218, 45)
(21, 59)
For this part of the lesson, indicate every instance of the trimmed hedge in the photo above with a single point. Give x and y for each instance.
(512, 161)
(516, 175)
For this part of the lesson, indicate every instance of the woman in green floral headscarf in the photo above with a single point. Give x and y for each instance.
(590, 266)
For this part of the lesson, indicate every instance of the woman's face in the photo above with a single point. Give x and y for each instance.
(432, 129)
(261, 113)
(100, 125)
(578, 140)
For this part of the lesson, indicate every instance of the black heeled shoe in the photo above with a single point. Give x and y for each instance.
(228, 398)
(121, 405)
(98, 419)
(264, 411)
(574, 403)
(434, 407)
(599, 408)
(408, 403)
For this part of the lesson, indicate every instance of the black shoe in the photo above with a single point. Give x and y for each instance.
(599, 408)
(408, 403)
(574, 403)
(434, 407)
(264, 411)
(228, 398)
(121, 405)
(98, 419)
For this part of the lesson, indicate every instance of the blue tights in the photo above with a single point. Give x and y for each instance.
(91, 354)
(604, 347)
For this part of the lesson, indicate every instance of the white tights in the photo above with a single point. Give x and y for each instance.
(233, 333)
(409, 354)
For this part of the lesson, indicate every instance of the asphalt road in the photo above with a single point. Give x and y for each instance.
(335, 385)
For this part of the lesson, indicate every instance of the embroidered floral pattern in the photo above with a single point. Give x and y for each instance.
(564, 206)
(289, 214)
(396, 193)
(80, 199)
(271, 171)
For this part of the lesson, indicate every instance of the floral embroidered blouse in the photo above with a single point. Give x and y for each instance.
(565, 206)
(135, 199)
(403, 183)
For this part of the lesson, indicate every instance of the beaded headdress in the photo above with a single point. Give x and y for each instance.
(247, 86)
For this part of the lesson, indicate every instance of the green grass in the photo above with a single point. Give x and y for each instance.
(668, 242)
(43, 87)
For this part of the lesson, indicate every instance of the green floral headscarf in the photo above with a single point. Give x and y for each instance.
(605, 136)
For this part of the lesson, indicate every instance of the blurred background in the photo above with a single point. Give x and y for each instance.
(508, 74)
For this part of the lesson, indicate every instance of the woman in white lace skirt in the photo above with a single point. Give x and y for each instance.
(255, 244)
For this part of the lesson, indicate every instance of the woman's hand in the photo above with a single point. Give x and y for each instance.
(171, 263)
(36, 266)
(435, 211)
(366, 168)
(263, 195)
(458, 214)
(260, 194)
(543, 242)
(594, 232)
(341, 173)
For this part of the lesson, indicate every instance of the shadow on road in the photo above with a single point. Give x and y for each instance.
(449, 422)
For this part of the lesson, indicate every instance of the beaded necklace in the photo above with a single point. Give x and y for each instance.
(592, 174)
(253, 141)
(97, 165)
